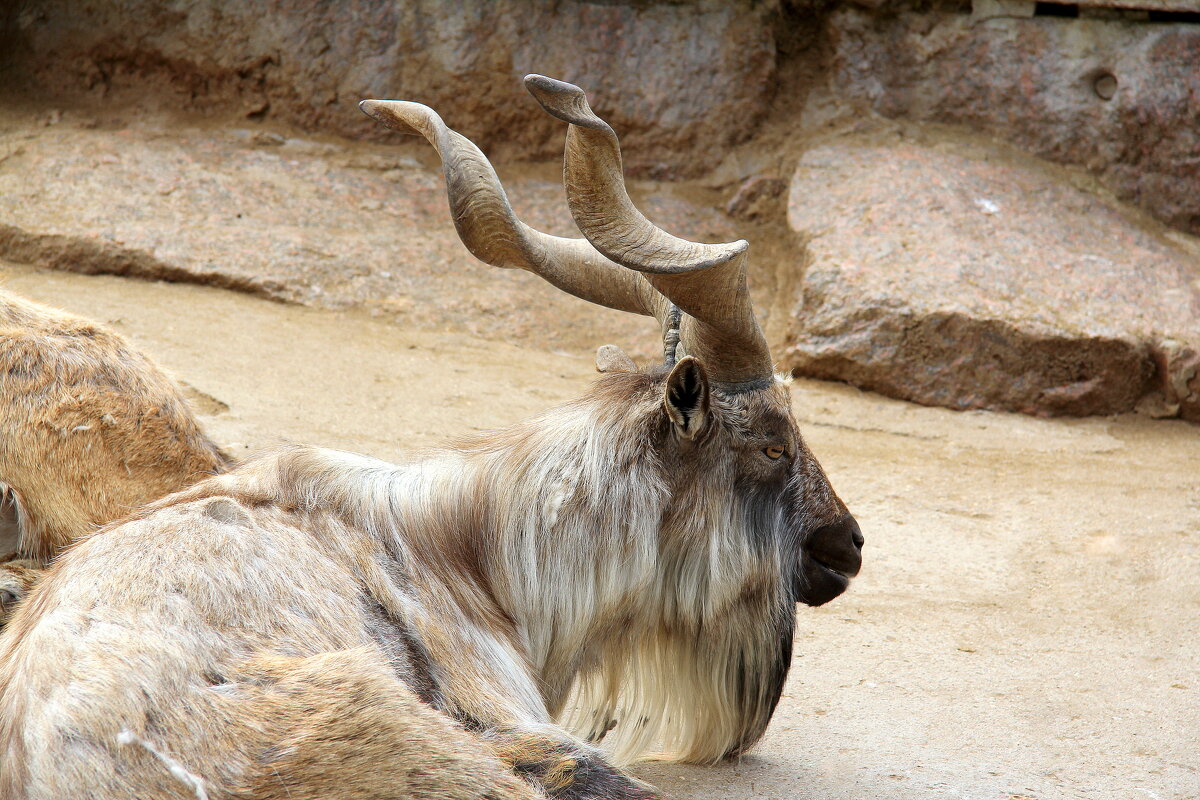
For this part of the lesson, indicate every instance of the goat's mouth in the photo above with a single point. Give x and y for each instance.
(832, 555)
(843, 573)
(818, 582)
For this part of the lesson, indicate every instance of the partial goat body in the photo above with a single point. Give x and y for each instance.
(573, 552)
(304, 558)
(620, 572)
(90, 429)
(17, 579)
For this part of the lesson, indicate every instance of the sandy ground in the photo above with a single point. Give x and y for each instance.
(1025, 623)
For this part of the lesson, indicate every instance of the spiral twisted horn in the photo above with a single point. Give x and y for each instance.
(706, 281)
(624, 262)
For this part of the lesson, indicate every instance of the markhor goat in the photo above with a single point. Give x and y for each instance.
(627, 565)
(90, 429)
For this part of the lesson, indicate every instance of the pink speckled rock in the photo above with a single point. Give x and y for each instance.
(970, 277)
(328, 224)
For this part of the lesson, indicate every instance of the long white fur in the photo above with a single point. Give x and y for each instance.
(578, 561)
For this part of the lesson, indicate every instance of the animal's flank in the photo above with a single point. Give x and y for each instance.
(178, 771)
(79, 401)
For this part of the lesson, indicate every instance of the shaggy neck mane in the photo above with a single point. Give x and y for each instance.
(646, 596)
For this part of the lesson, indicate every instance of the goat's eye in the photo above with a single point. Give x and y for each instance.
(774, 452)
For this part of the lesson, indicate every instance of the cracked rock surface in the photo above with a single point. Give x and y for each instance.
(325, 223)
(1114, 94)
(683, 80)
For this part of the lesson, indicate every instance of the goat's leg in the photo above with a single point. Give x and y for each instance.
(564, 767)
(484, 683)
(340, 725)
(343, 726)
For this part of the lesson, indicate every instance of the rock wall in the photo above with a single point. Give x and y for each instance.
(1118, 95)
(964, 275)
(682, 81)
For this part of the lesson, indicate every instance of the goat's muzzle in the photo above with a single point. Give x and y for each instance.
(832, 556)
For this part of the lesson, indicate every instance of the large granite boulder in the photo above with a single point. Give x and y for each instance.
(681, 81)
(970, 276)
(1117, 95)
(338, 224)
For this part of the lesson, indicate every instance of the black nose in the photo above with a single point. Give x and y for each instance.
(838, 546)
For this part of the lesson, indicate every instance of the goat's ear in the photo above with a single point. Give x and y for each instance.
(686, 397)
(610, 358)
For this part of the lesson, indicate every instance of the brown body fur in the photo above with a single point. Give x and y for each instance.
(90, 428)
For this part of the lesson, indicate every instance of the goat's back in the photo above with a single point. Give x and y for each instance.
(213, 643)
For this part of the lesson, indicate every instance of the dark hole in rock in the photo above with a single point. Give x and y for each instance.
(1105, 85)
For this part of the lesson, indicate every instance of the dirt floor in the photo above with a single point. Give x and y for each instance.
(1025, 623)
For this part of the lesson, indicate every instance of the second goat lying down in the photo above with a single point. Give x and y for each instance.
(90, 429)
(627, 565)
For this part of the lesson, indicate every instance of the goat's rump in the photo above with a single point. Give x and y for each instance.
(211, 649)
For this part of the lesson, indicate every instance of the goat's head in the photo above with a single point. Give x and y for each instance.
(723, 401)
(746, 446)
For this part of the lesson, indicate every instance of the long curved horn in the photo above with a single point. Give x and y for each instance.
(706, 281)
(491, 231)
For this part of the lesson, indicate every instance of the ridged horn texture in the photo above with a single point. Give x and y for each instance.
(624, 262)
(491, 231)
